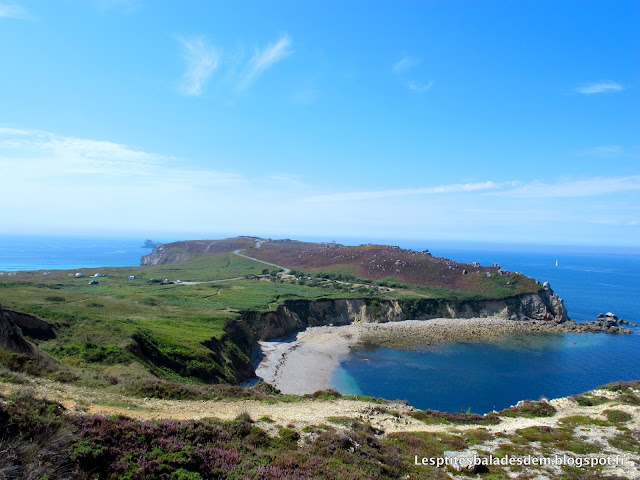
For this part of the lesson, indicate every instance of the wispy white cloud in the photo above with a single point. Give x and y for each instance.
(238, 72)
(616, 222)
(600, 87)
(202, 59)
(403, 70)
(405, 63)
(589, 187)
(14, 131)
(56, 183)
(12, 10)
(601, 151)
(403, 192)
(284, 180)
(34, 156)
(419, 87)
(264, 59)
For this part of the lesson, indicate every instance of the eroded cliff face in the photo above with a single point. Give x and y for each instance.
(545, 305)
(31, 325)
(296, 315)
(161, 255)
(11, 336)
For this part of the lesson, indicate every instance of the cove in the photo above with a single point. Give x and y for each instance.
(487, 376)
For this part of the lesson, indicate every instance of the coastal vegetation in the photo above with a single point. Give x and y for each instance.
(53, 439)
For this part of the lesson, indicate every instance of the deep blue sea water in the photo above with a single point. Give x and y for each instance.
(61, 253)
(495, 375)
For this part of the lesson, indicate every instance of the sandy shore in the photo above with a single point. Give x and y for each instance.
(304, 364)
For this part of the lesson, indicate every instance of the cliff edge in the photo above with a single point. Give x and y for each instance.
(11, 335)
(295, 315)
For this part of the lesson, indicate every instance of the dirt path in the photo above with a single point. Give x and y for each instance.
(391, 417)
(285, 271)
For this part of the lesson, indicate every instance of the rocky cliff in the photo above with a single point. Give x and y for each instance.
(295, 315)
(11, 335)
(32, 326)
(181, 252)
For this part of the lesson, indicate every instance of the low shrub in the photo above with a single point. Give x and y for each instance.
(589, 400)
(617, 416)
(433, 417)
(530, 409)
(621, 386)
(328, 394)
(55, 298)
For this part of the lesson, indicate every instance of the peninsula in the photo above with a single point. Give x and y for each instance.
(174, 338)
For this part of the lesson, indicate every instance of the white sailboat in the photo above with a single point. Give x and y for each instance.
(556, 263)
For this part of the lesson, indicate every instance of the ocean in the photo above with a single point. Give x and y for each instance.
(62, 253)
(454, 376)
(487, 376)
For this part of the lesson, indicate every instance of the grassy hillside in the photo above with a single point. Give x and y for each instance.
(394, 265)
(103, 327)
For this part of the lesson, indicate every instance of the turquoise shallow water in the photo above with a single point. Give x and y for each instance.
(488, 376)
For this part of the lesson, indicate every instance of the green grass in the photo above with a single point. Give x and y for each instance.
(530, 409)
(144, 327)
(617, 416)
(588, 400)
(581, 420)
(626, 441)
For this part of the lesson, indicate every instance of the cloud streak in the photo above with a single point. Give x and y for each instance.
(264, 59)
(419, 87)
(202, 59)
(403, 69)
(600, 87)
(11, 10)
(41, 156)
(589, 187)
(602, 151)
(58, 183)
(403, 192)
(405, 64)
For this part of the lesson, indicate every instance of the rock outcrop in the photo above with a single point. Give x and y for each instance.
(181, 252)
(32, 326)
(11, 335)
(608, 323)
(296, 315)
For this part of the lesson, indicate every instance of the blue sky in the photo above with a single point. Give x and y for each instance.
(489, 121)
